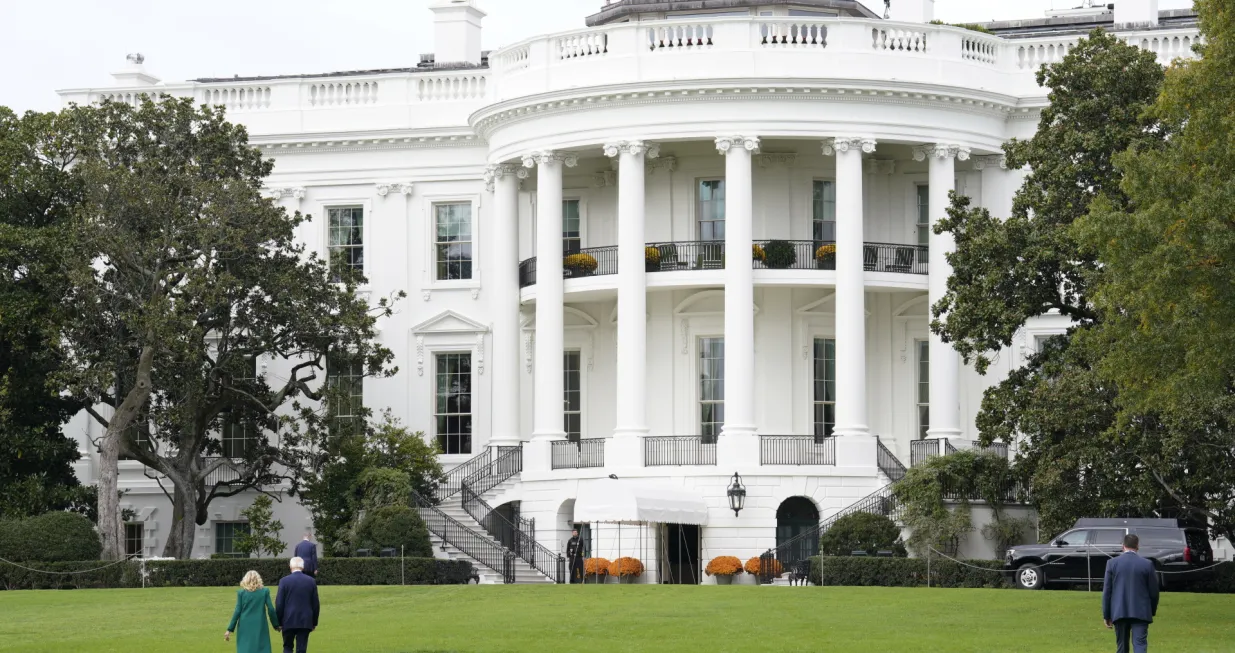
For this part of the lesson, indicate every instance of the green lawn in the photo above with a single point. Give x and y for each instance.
(616, 618)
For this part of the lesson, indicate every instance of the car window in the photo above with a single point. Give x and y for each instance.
(1073, 538)
(1161, 535)
(1108, 537)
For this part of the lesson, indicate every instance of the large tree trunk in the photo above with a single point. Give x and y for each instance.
(111, 530)
(184, 520)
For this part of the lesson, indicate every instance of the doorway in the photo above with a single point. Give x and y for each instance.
(795, 516)
(679, 554)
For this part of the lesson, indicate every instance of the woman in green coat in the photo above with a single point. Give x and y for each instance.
(253, 606)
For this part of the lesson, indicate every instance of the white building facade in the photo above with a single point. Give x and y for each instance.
(691, 240)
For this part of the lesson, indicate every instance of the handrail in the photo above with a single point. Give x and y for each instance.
(888, 463)
(453, 482)
(683, 450)
(521, 532)
(474, 545)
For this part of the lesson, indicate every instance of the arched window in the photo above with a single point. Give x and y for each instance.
(795, 516)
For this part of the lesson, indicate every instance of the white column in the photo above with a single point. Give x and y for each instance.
(851, 408)
(632, 288)
(503, 277)
(945, 363)
(739, 285)
(550, 312)
(996, 194)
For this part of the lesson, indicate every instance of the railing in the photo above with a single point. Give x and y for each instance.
(507, 461)
(795, 255)
(527, 273)
(228, 472)
(472, 544)
(808, 34)
(903, 259)
(339, 94)
(898, 40)
(683, 450)
(465, 86)
(995, 448)
(603, 260)
(796, 450)
(688, 255)
(578, 455)
(518, 534)
(1014, 492)
(479, 464)
(888, 463)
(238, 98)
(922, 450)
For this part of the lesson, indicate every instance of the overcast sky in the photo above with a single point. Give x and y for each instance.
(56, 44)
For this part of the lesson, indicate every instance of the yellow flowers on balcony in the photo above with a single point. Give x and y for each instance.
(759, 254)
(584, 263)
(651, 255)
(825, 252)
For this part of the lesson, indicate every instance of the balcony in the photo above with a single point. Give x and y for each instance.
(710, 255)
(796, 450)
(581, 454)
(688, 450)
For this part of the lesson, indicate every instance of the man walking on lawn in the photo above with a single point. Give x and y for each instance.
(297, 607)
(1130, 597)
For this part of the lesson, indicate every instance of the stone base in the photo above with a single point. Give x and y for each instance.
(624, 452)
(538, 456)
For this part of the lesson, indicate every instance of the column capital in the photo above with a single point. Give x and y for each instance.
(846, 143)
(545, 157)
(725, 144)
(615, 148)
(941, 151)
(496, 171)
(982, 162)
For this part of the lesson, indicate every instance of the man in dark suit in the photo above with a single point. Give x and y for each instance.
(574, 556)
(297, 607)
(1130, 597)
(307, 550)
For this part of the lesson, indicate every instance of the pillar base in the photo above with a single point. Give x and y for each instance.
(857, 451)
(942, 434)
(537, 456)
(505, 441)
(852, 431)
(548, 436)
(737, 450)
(624, 452)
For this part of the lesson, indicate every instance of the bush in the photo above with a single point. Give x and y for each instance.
(625, 567)
(398, 527)
(906, 572)
(595, 567)
(754, 566)
(862, 531)
(724, 566)
(381, 486)
(227, 573)
(781, 254)
(1219, 580)
(51, 537)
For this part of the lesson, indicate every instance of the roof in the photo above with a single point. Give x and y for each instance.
(1083, 23)
(612, 501)
(427, 64)
(1098, 522)
(619, 9)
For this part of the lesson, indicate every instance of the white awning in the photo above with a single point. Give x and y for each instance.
(626, 502)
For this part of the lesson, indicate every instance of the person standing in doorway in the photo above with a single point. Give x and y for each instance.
(1130, 597)
(574, 554)
(307, 550)
(297, 607)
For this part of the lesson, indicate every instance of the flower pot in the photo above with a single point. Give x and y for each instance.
(724, 580)
(649, 266)
(826, 264)
(626, 580)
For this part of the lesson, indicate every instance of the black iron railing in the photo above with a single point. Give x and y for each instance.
(795, 255)
(580, 454)
(590, 262)
(886, 257)
(480, 463)
(922, 450)
(230, 471)
(682, 450)
(995, 448)
(527, 273)
(889, 464)
(796, 450)
(1015, 491)
(472, 544)
(687, 255)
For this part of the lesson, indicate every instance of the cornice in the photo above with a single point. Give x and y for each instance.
(359, 141)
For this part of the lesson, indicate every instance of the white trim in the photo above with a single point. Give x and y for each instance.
(480, 410)
(429, 280)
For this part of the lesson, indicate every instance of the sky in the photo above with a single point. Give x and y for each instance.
(58, 44)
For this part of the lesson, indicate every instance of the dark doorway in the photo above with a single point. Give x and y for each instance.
(795, 516)
(679, 554)
(500, 523)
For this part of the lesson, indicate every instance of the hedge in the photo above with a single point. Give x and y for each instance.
(906, 572)
(50, 537)
(397, 527)
(227, 573)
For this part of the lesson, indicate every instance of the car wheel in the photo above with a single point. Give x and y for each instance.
(1030, 577)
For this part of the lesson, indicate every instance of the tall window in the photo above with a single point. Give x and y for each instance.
(345, 383)
(134, 533)
(225, 536)
(823, 211)
(712, 209)
(922, 392)
(453, 407)
(924, 215)
(825, 388)
(346, 237)
(453, 240)
(571, 235)
(711, 387)
(240, 434)
(573, 416)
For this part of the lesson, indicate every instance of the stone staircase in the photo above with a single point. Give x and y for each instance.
(453, 508)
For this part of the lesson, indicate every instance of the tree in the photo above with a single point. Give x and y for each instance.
(862, 531)
(196, 278)
(346, 465)
(1165, 297)
(263, 534)
(37, 195)
(935, 498)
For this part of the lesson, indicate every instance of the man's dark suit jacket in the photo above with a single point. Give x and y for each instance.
(296, 603)
(1130, 589)
(307, 551)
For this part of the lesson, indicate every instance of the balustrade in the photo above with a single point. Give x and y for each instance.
(796, 450)
(580, 454)
(685, 450)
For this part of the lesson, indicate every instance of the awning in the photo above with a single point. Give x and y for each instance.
(626, 502)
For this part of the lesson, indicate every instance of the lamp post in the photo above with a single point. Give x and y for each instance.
(737, 494)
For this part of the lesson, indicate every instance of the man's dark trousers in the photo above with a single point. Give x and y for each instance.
(1131, 636)
(298, 637)
(576, 570)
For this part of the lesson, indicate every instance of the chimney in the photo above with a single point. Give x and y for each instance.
(911, 11)
(1136, 12)
(456, 33)
(134, 73)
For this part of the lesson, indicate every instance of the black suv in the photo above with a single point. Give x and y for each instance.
(1079, 556)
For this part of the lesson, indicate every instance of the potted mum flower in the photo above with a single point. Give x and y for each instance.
(598, 568)
(758, 254)
(651, 259)
(825, 257)
(754, 567)
(626, 569)
(724, 568)
(580, 265)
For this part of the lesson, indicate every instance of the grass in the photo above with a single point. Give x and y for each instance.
(617, 618)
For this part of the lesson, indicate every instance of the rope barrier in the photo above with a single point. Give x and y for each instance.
(1004, 571)
(69, 573)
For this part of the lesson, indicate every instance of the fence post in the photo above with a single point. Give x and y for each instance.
(929, 550)
(561, 569)
(402, 575)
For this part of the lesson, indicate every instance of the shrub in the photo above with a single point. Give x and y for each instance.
(758, 254)
(754, 566)
(378, 487)
(968, 475)
(781, 254)
(262, 535)
(595, 567)
(906, 572)
(1218, 580)
(625, 567)
(862, 531)
(724, 566)
(582, 262)
(398, 527)
(50, 537)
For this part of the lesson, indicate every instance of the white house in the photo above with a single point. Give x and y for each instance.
(688, 241)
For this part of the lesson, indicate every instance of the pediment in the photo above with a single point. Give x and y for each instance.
(449, 322)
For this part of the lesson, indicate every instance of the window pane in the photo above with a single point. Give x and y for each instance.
(134, 535)
(824, 386)
(345, 382)
(711, 209)
(711, 385)
(924, 215)
(572, 383)
(453, 247)
(453, 402)
(225, 535)
(345, 236)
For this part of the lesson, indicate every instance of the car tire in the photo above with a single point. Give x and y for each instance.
(1029, 577)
